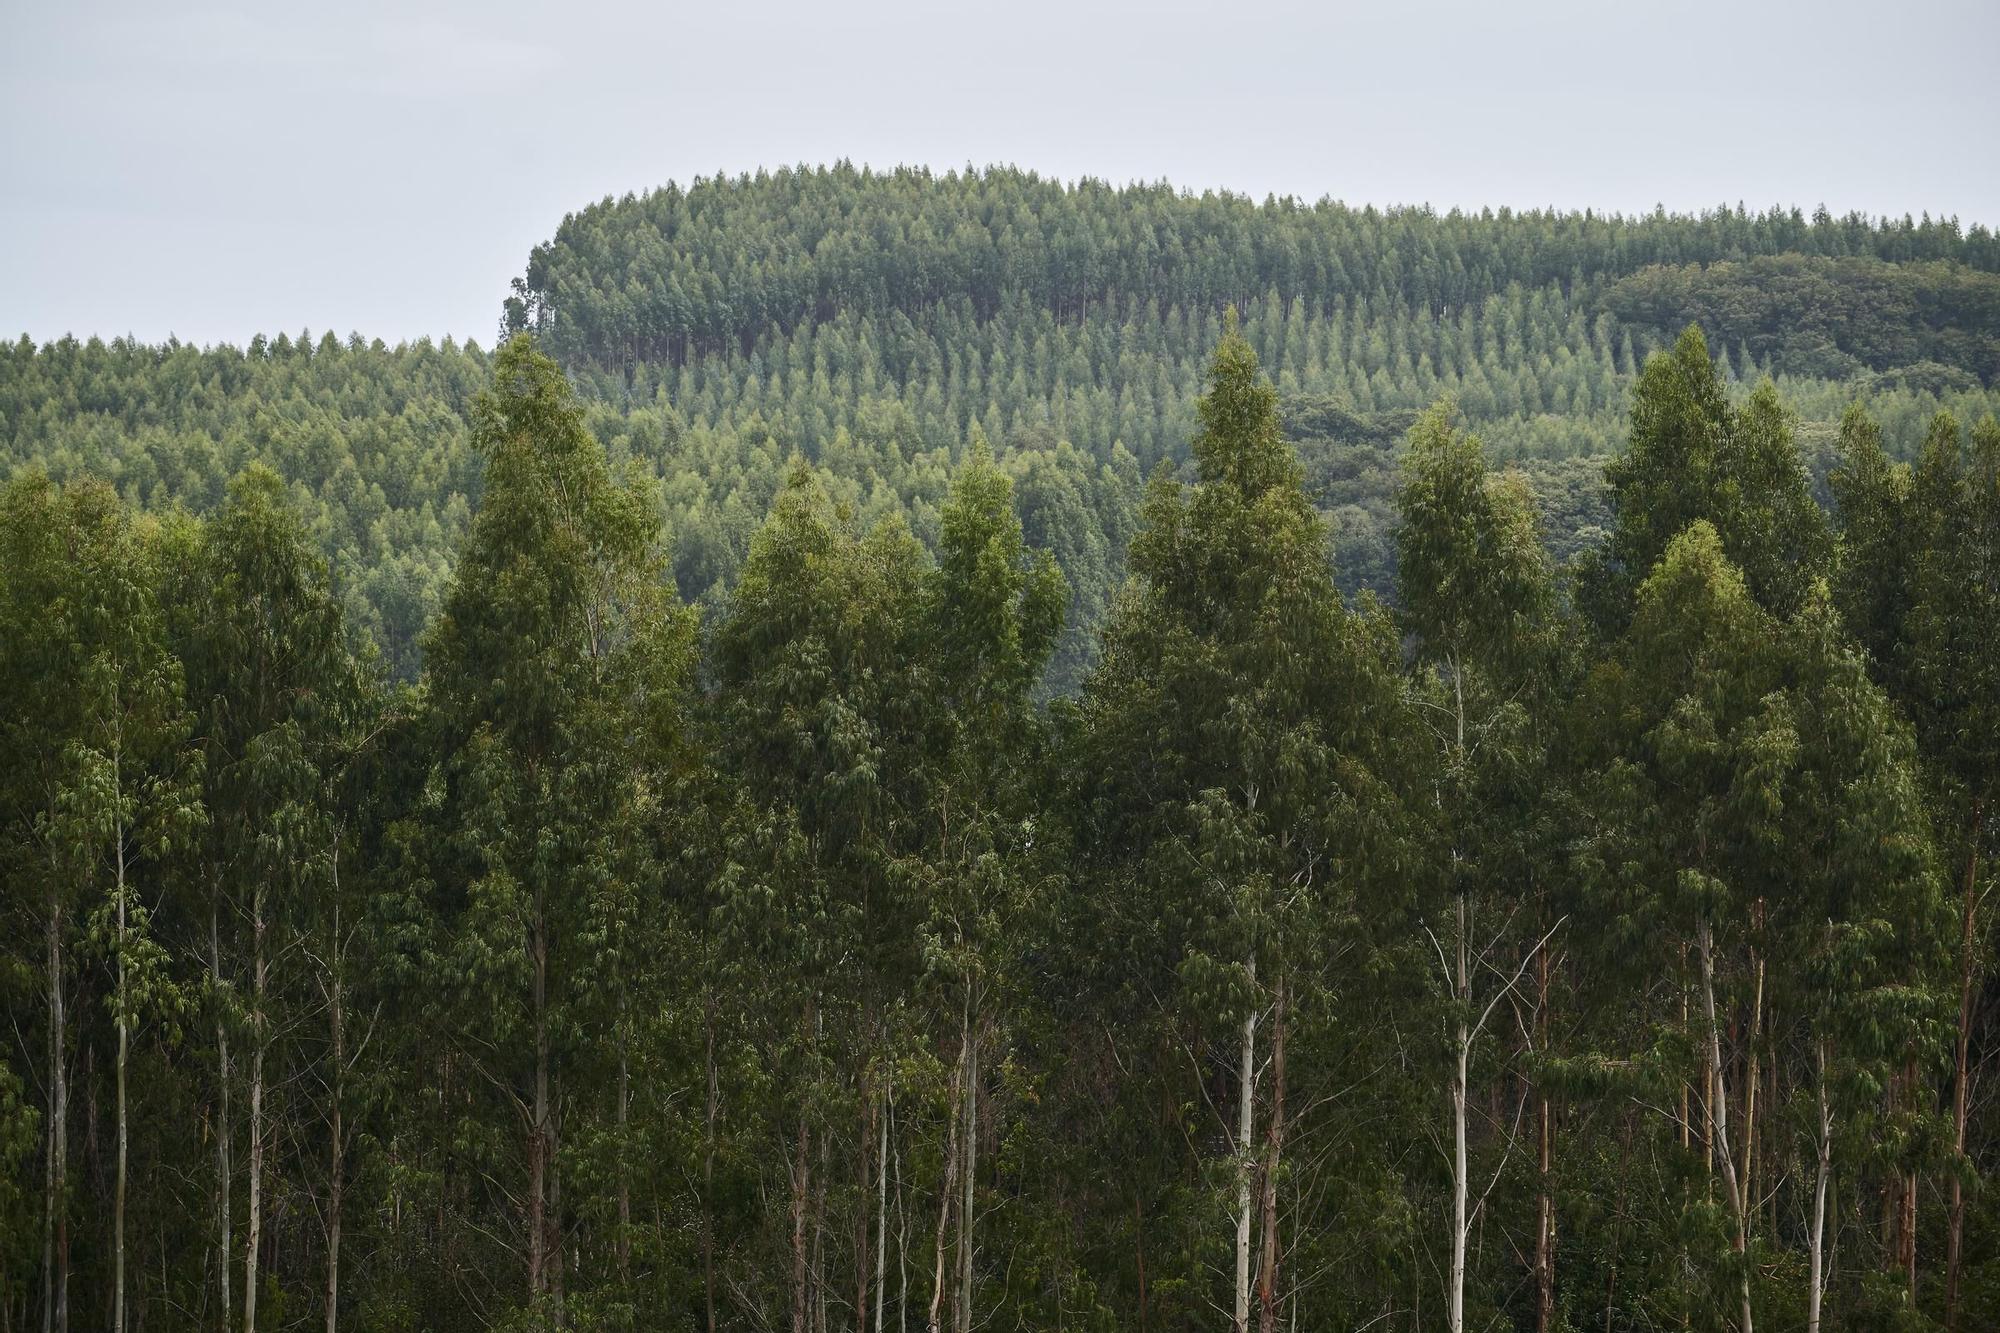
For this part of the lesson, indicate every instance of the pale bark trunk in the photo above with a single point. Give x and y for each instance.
(1545, 1215)
(1246, 1088)
(337, 1126)
(1274, 1146)
(624, 1161)
(1962, 1068)
(55, 1221)
(223, 1170)
(253, 1232)
(945, 1190)
(708, 1166)
(538, 1126)
(801, 1185)
(968, 1174)
(1816, 1274)
(882, 1213)
(1460, 1092)
(1719, 1116)
(124, 1049)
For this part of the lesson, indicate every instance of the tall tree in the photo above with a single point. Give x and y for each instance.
(1479, 606)
(559, 581)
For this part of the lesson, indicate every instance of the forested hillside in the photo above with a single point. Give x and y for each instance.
(1547, 953)
(876, 324)
(889, 759)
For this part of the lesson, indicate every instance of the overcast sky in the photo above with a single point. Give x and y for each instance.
(216, 170)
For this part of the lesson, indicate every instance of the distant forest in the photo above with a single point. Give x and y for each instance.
(960, 752)
(876, 324)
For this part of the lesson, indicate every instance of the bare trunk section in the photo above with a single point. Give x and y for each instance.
(1246, 1091)
(1962, 1066)
(336, 1166)
(801, 1186)
(1545, 1213)
(1274, 1146)
(1719, 1116)
(124, 1130)
(624, 1159)
(253, 1231)
(223, 1127)
(538, 1119)
(1460, 1091)
(968, 1174)
(709, 1108)
(882, 1211)
(55, 1219)
(945, 1190)
(1816, 1269)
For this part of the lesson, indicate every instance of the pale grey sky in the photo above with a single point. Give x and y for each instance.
(217, 170)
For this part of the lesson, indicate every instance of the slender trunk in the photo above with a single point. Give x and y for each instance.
(124, 1049)
(1962, 1065)
(55, 1210)
(1912, 1085)
(881, 1212)
(945, 1190)
(223, 1127)
(801, 1185)
(538, 1120)
(1719, 1115)
(708, 1165)
(1274, 1146)
(337, 1147)
(1246, 1089)
(253, 1232)
(1545, 1213)
(968, 1175)
(1816, 1269)
(1750, 1083)
(624, 1159)
(870, 1115)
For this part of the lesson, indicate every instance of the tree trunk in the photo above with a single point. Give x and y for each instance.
(945, 1189)
(337, 1125)
(801, 1185)
(124, 1048)
(1816, 1270)
(1246, 1088)
(55, 1218)
(624, 1160)
(1962, 1066)
(1719, 1116)
(253, 1232)
(968, 1176)
(1274, 1146)
(882, 1212)
(1545, 1213)
(708, 1164)
(538, 1122)
(863, 1233)
(223, 1128)
(1455, 1307)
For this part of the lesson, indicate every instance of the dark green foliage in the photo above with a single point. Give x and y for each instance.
(845, 853)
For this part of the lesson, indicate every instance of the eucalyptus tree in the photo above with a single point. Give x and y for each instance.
(1693, 456)
(102, 800)
(1478, 603)
(991, 618)
(278, 697)
(1227, 728)
(558, 587)
(820, 698)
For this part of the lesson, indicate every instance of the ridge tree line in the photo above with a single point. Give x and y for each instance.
(873, 324)
(1561, 947)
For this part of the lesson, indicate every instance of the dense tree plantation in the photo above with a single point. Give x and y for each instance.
(1549, 943)
(877, 324)
(945, 752)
